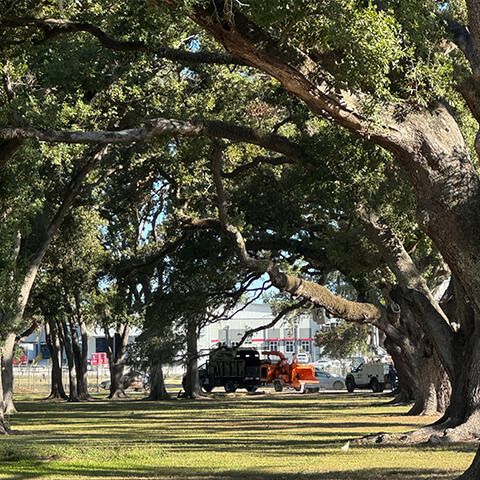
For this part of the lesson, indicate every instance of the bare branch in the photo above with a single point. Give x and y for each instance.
(33, 327)
(461, 37)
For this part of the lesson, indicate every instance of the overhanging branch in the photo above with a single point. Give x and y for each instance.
(54, 27)
(317, 294)
(163, 127)
(299, 74)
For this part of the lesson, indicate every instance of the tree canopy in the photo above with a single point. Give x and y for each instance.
(307, 137)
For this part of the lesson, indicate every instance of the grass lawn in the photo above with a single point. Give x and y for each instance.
(239, 437)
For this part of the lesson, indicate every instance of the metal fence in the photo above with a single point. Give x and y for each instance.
(37, 379)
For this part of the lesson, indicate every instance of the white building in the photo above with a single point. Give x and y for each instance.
(295, 334)
(37, 350)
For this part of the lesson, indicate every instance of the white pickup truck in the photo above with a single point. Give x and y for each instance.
(368, 375)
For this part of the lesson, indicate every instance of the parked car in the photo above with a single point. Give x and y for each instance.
(131, 381)
(105, 385)
(329, 381)
(303, 358)
(326, 381)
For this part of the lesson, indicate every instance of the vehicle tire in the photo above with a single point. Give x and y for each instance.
(375, 385)
(338, 385)
(382, 387)
(230, 386)
(251, 389)
(277, 386)
(312, 390)
(350, 384)
(207, 388)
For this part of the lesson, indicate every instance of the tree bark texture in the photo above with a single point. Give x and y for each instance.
(8, 352)
(116, 351)
(158, 390)
(72, 380)
(55, 349)
(4, 430)
(191, 383)
(80, 355)
(422, 377)
(473, 471)
(432, 386)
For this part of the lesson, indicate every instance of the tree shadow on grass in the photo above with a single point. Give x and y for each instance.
(181, 473)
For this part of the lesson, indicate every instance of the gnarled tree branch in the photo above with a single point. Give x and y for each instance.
(53, 27)
(317, 294)
(298, 73)
(164, 127)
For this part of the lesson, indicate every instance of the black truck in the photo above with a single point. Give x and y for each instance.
(231, 369)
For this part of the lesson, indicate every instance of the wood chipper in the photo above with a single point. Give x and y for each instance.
(282, 374)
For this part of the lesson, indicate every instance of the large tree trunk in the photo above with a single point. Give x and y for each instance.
(80, 355)
(191, 383)
(55, 348)
(158, 390)
(8, 351)
(116, 359)
(116, 381)
(407, 385)
(434, 389)
(3, 427)
(422, 378)
(72, 381)
(462, 418)
(421, 365)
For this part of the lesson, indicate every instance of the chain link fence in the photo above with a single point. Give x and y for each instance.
(37, 379)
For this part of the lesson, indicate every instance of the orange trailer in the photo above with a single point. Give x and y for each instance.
(282, 374)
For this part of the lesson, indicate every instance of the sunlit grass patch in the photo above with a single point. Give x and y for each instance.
(272, 436)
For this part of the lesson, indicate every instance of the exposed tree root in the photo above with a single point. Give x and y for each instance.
(56, 396)
(443, 433)
(10, 409)
(4, 430)
(118, 395)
